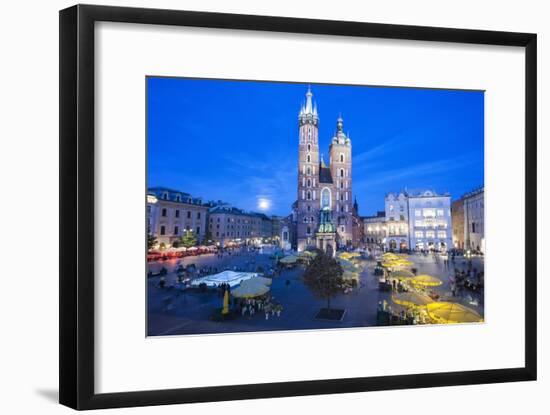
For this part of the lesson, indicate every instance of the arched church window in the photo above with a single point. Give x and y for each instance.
(308, 195)
(325, 198)
(309, 170)
(309, 147)
(308, 182)
(341, 157)
(341, 172)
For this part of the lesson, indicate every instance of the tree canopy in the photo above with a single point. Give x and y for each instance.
(324, 276)
(188, 240)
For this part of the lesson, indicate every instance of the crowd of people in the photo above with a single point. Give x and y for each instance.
(253, 306)
(388, 315)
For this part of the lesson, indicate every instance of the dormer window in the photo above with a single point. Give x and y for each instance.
(165, 195)
(178, 198)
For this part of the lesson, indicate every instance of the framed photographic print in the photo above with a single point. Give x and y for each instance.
(260, 206)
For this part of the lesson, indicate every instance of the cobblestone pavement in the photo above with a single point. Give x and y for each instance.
(172, 311)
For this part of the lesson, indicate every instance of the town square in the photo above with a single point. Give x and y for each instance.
(289, 246)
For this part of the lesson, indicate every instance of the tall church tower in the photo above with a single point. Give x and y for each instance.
(307, 207)
(340, 168)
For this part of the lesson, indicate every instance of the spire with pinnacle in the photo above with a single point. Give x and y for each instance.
(340, 137)
(308, 110)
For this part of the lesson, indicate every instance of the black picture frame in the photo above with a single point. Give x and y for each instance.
(76, 281)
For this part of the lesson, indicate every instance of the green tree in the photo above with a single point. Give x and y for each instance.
(151, 239)
(188, 239)
(324, 276)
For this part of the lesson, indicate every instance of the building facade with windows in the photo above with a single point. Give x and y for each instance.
(229, 225)
(322, 188)
(430, 221)
(457, 214)
(468, 214)
(397, 221)
(171, 213)
(474, 220)
(374, 229)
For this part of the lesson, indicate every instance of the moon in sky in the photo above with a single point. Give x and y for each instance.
(264, 204)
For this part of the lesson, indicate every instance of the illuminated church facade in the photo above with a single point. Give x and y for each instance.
(324, 209)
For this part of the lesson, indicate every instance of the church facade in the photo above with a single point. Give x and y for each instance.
(323, 211)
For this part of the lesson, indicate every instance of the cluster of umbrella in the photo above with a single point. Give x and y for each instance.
(442, 312)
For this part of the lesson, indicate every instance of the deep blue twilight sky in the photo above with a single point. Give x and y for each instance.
(237, 141)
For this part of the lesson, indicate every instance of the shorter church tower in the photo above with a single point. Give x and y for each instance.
(340, 168)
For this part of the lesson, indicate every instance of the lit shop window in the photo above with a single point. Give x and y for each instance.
(419, 234)
(440, 212)
(430, 234)
(442, 234)
(429, 212)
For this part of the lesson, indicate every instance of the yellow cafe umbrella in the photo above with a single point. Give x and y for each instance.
(411, 299)
(449, 313)
(403, 262)
(350, 275)
(389, 256)
(250, 289)
(426, 280)
(402, 274)
(263, 280)
(291, 259)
